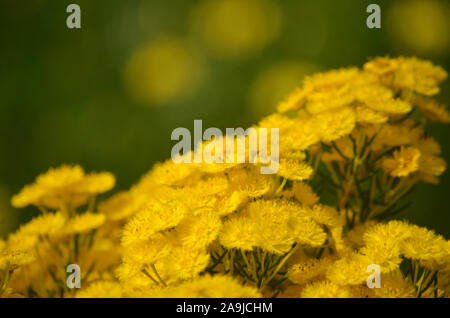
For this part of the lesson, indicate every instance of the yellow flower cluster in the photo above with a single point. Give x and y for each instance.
(352, 146)
(64, 188)
(40, 250)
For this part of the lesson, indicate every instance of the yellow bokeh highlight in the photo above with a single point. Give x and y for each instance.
(236, 28)
(421, 26)
(274, 83)
(163, 71)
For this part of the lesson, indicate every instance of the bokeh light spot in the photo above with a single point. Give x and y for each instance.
(420, 26)
(236, 28)
(163, 71)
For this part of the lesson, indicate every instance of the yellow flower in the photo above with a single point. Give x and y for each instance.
(367, 115)
(66, 186)
(95, 183)
(231, 202)
(420, 76)
(300, 133)
(309, 269)
(123, 205)
(331, 80)
(12, 258)
(393, 285)
(146, 252)
(186, 221)
(426, 246)
(390, 135)
(334, 124)
(46, 224)
(325, 289)
(355, 235)
(321, 101)
(101, 289)
(432, 109)
(182, 264)
(383, 243)
(308, 232)
(199, 231)
(294, 169)
(250, 182)
(350, 270)
(432, 165)
(380, 98)
(273, 225)
(131, 273)
(326, 215)
(382, 66)
(294, 101)
(409, 73)
(304, 194)
(20, 241)
(83, 223)
(404, 162)
(238, 233)
(217, 286)
(168, 173)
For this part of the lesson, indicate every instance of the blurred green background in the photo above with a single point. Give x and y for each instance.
(108, 95)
